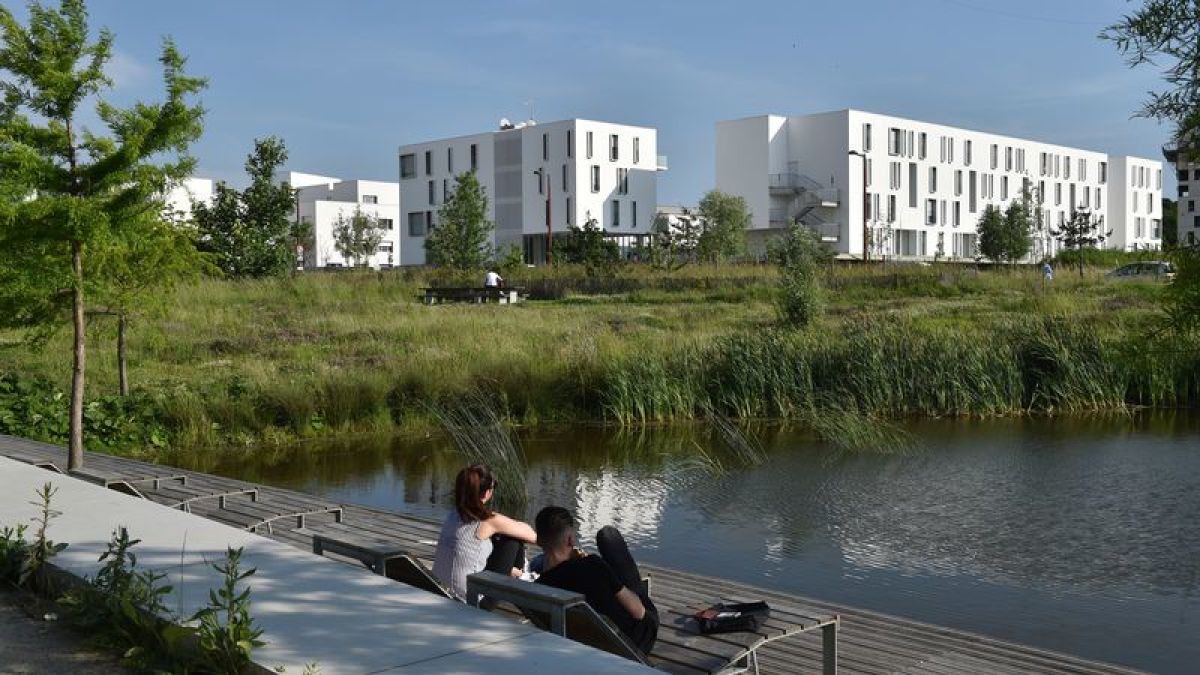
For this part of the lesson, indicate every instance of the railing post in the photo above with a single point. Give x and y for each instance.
(829, 647)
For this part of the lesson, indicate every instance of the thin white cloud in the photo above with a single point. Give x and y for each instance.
(127, 72)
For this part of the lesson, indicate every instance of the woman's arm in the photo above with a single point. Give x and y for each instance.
(502, 524)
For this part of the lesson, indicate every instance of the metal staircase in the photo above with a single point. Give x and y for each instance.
(806, 202)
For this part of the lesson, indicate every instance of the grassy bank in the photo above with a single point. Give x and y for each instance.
(251, 361)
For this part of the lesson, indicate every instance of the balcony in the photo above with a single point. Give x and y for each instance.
(662, 163)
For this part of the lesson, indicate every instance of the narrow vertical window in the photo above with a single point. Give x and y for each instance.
(613, 148)
(431, 195)
(570, 150)
(450, 160)
(545, 147)
(570, 217)
(866, 141)
(564, 179)
(637, 149)
(428, 162)
(595, 178)
(616, 213)
(474, 157)
(633, 214)
(589, 145)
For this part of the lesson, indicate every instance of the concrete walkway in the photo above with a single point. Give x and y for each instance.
(312, 610)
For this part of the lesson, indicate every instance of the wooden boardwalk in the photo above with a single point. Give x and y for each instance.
(868, 642)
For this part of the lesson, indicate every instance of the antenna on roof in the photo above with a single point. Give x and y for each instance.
(529, 105)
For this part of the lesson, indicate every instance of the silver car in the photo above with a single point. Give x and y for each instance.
(1146, 270)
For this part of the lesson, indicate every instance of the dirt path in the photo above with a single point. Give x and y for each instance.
(29, 645)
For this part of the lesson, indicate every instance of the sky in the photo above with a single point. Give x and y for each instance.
(344, 83)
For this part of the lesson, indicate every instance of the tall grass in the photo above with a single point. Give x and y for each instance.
(483, 438)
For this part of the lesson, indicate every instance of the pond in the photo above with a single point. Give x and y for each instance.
(1079, 535)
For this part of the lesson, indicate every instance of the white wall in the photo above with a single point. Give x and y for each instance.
(321, 205)
(190, 191)
(1135, 213)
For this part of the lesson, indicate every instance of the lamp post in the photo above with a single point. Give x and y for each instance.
(542, 173)
(866, 203)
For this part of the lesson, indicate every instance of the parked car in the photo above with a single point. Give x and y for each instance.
(1146, 270)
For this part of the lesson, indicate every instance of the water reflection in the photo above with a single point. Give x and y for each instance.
(1053, 532)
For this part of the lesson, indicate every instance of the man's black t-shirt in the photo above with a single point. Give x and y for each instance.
(592, 577)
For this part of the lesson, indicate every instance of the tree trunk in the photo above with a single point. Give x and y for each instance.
(75, 453)
(122, 368)
(1080, 262)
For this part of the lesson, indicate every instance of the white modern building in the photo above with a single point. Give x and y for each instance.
(322, 200)
(1188, 216)
(897, 187)
(182, 197)
(540, 179)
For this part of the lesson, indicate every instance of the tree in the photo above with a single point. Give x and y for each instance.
(358, 236)
(588, 246)
(991, 233)
(799, 254)
(251, 233)
(673, 244)
(724, 219)
(1019, 226)
(1166, 33)
(1082, 230)
(462, 239)
(77, 193)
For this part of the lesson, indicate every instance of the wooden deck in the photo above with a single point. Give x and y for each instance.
(868, 642)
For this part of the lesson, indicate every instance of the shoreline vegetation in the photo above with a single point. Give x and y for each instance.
(245, 363)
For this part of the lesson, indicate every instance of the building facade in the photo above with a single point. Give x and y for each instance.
(1188, 216)
(187, 193)
(878, 185)
(322, 201)
(540, 180)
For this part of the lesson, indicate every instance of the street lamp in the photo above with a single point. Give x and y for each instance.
(540, 173)
(866, 203)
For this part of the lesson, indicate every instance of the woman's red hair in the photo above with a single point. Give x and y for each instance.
(469, 487)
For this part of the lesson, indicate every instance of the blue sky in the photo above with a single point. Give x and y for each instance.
(344, 83)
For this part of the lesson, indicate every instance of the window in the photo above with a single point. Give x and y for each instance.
(545, 147)
(995, 156)
(958, 177)
(1057, 165)
(445, 189)
(866, 139)
(416, 224)
(428, 162)
(1087, 196)
(1044, 166)
(921, 145)
(1058, 194)
(1191, 205)
(633, 214)
(637, 151)
(1082, 169)
(595, 178)
(931, 212)
(957, 214)
(971, 192)
(1149, 203)
(943, 214)
(1008, 159)
(1098, 206)
(1158, 179)
(613, 148)
(941, 148)
(967, 153)
(891, 212)
(569, 216)
(909, 147)
(1067, 168)
(894, 172)
(1041, 195)
(541, 179)
(1195, 174)
(622, 181)
(408, 165)
(370, 199)
(1103, 172)
(429, 221)
(564, 179)
(1155, 229)
(1004, 187)
(616, 213)
(912, 185)
(570, 150)
(870, 171)
(1181, 175)
(431, 202)
(933, 179)
(895, 141)
(450, 161)
(387, 224)
(589, 145)
(474, 157)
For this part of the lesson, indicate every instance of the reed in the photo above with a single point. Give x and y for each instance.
(472, 422)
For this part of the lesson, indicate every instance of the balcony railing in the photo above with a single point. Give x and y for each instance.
(662, 163)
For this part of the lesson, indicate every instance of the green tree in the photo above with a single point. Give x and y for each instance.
(76, 193)
(724, 219)
(357, 237)
(1082, 230)
(588, 246)
(799, 254)
(672, 246)
(1166, 33)
(462, 239)
(991, 233)
(250, 233)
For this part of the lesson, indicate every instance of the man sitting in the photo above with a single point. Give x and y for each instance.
(610, 581)
(492, 280)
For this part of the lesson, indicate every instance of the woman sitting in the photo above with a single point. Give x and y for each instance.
(474, 538)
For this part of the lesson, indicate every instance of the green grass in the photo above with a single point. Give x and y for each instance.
(242, 362)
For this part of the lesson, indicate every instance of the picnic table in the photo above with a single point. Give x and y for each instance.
(505, 295)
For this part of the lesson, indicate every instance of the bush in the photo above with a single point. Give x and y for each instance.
(799, 254)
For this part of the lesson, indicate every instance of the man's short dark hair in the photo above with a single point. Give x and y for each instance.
(553, 524)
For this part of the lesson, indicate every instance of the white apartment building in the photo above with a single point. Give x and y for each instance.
(190, 191)
(926, 185)
(540, 179)
(322, 200)
(1188, 175)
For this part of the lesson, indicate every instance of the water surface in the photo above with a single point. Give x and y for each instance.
(1081, 536)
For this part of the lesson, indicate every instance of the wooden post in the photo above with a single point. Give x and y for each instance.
(122, 368)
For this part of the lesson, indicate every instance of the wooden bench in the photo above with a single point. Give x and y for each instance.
(679, 645)
(125, 484)
(505, 296)
(183, 496)
(383, 556)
